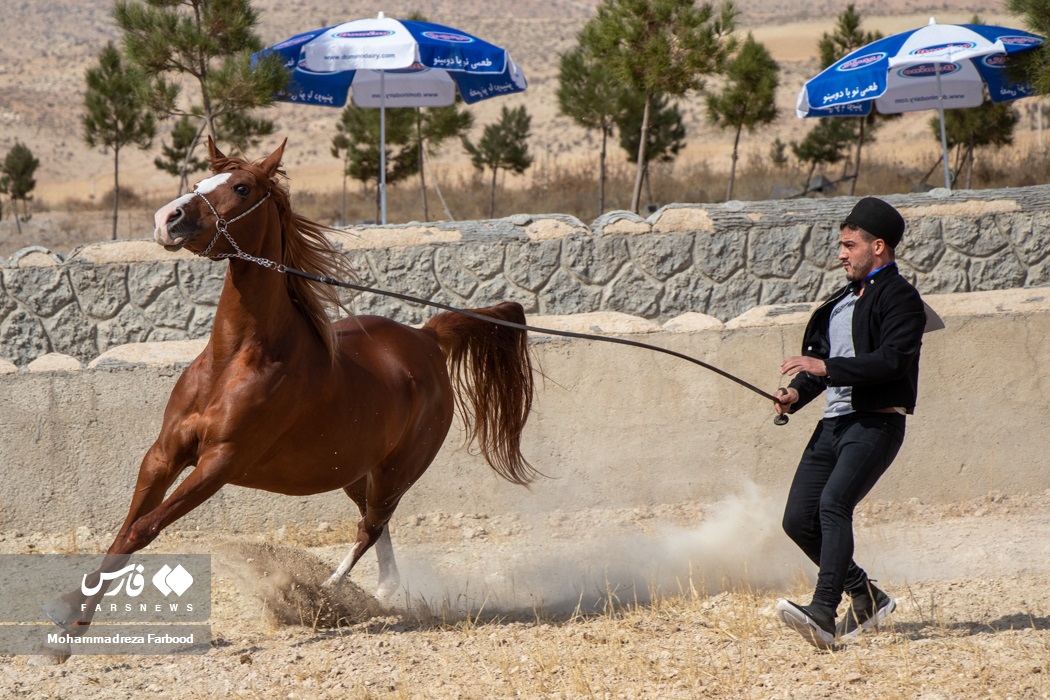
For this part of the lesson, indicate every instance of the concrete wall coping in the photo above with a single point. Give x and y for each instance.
(597, 322)
(948, 306)
(678, 219)
(164, 353)
(130, 251)
(54, 362)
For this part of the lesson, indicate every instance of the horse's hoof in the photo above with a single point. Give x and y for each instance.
(388, 592)
(61, 613)
(48, 659)
(50, 654)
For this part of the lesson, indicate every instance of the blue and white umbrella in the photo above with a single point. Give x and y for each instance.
(938, 66)
(393, 63)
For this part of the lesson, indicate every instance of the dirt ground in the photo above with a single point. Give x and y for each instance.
(670, 601)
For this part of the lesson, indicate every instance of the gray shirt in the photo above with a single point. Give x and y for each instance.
(840, 336)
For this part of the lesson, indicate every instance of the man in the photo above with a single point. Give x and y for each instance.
(861, 347)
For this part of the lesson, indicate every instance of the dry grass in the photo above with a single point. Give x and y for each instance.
(573, 189)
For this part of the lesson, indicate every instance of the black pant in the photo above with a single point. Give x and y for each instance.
(841, 463)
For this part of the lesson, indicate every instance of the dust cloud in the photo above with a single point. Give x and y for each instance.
(739, 543)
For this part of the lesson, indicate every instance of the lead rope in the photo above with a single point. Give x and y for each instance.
(221, 226)
(780, 419)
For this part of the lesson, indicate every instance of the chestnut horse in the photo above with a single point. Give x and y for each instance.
(283, 400)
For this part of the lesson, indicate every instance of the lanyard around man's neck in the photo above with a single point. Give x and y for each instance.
(858, 287)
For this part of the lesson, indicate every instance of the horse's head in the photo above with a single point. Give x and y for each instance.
(234, 193)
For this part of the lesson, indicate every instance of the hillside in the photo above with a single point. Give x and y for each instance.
(43, 60)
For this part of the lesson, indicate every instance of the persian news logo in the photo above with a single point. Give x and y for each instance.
(450, 37)
(130, 580)
(862, 61)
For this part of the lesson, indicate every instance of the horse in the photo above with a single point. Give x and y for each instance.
(285, 400)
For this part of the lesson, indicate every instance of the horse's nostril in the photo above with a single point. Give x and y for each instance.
(174, 216)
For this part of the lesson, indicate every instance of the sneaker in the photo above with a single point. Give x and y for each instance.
(866, 610)
(815, 625)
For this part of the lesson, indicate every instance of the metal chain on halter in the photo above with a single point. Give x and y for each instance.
(221, 228)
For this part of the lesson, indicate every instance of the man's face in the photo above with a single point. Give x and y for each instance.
(856, 253)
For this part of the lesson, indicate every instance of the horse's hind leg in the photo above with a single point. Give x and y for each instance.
(381, 491)
(389, 578)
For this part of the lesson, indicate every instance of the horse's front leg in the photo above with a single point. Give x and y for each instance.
(156, 475)
(143, 525)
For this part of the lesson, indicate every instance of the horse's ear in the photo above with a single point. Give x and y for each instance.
(273, 161)
(214, 153)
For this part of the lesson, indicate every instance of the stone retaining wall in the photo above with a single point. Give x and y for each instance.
(720, 260)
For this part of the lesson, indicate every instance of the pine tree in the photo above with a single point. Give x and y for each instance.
(778, 153)
(748, 98)
(177, 158)
(826, 143)
(659, 46)
(588, 93)
(1035, 64)
(114, 116)
(847, 38)
(243, 131)
(358, 143)
(435, 126)
(666, 133)
(342, 146)
(17, 179)
(503, 146)
(205, 43)
(966, 130)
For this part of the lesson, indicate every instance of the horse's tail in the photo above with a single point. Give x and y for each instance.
(491, 371)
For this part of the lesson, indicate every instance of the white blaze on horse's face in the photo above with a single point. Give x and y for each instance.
(168, 213)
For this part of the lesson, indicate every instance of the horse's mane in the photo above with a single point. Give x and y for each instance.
(306, 247)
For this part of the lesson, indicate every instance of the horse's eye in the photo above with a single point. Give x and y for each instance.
(242, 190)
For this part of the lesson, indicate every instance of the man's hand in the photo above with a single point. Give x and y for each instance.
(800, 363)
(785, 400)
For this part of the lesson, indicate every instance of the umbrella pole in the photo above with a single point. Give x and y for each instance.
(944, 139)
(382, 146)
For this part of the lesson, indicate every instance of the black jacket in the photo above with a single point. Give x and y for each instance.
(888, 323)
